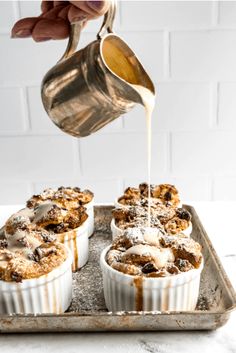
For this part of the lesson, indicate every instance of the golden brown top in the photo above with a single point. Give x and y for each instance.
(163, 194)
(67, 197)
(150, 253)
(49, 216)
(27, 251)
(57, 219)
(172, 220)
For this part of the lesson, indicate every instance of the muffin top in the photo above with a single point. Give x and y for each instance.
(49, 216)
(67, 197)
(56, 218)
(164, 194)
(27, 251)
(150, 253)
(172, 220)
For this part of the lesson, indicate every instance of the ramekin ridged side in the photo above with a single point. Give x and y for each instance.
(124, 292)
(48, 294)
(115, 231)
(77, 241)
(90, 212)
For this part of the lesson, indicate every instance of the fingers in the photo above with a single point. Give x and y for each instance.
(75, 14)
(23, 28)
(53, 23)
(93, 9)
(56, 3)
(46, 6)
(46, 29)
(64, 13)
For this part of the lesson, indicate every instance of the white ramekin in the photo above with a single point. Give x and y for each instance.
(186, 231)
(119, 205)
(116, 231)
(124, 292)
(77, 241)
(90, 212)
(49, 293)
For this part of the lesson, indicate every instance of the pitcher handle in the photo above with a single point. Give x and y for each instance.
(76, 28)
(107, 25)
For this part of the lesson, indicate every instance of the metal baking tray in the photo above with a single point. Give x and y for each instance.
(88, 312)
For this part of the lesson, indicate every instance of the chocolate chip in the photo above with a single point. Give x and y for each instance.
(183, 214)
(183, 265)
(48, 238)
(59, 228)
(24, 242)
(3, 244)
(149, 267)
(168, 196)
(30, 204)
(173, 269)
(40, 252)
(16, 277)
(31, 257)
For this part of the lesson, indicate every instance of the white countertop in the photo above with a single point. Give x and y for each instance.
(218, 220)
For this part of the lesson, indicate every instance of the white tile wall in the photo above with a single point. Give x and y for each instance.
(120, 155)
(7, 15)
(227, 13)
(11, 103)
(179, 106)
(29, 8)
(227, 105)
(189, 49)
(203, 55)
(172, 14)
(224, 188)
(204, 152)
(37, 157)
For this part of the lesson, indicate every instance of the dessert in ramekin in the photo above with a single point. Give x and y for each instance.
(165, 194)
(160, 275)
(35, 270)
(68, 198)
(68, 226)
(172, 221)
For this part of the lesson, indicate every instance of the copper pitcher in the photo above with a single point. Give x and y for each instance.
(89, 88)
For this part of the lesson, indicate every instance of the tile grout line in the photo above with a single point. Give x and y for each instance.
(166, 55)
(211, 188)
(215, 13)
(217, 117)
(213, 105)
(120, 10)
(169, 153)
(16, 9)
(79, 158)
(27, 119)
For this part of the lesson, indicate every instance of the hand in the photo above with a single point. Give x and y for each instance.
(54, 21)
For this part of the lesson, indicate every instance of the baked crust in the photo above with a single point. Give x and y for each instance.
(17, 266)
(133, 255)
(135, 216)
(172, 220)
(67, 197)
(166, 194)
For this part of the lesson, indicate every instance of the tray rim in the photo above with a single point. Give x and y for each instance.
(90, 314)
